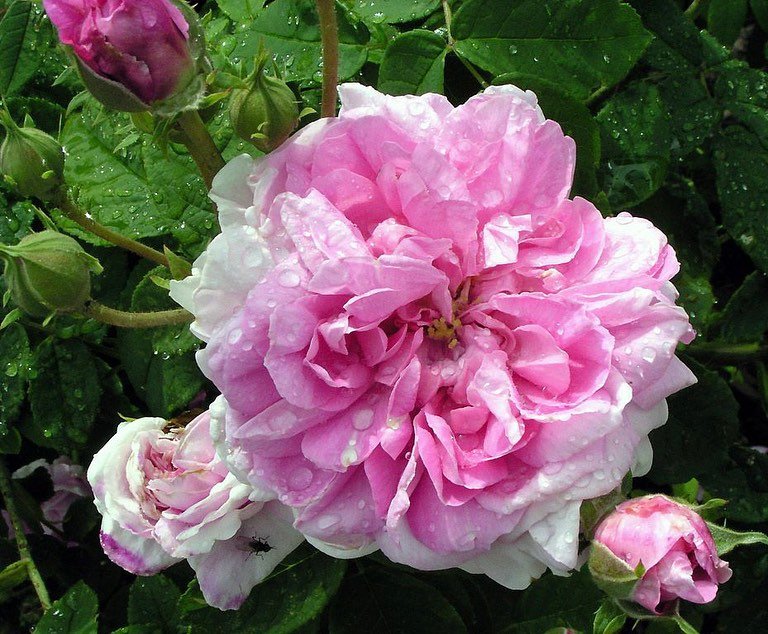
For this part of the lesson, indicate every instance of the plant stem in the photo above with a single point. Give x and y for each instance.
(73, 212)
(596, 95)
(472, 70)
(329, 32)
(200, 145)
(448, 17)
(728, 353)
(21, 539)
(693, 9)
(124, 319)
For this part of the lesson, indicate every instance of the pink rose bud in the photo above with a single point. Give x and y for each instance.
(130, 53)
(653, 550)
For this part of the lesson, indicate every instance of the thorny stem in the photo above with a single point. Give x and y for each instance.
(200, 144)
(124, 319)
(329, 32)
(21, 539)
(74, 213)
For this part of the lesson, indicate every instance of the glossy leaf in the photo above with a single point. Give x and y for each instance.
(581, 45)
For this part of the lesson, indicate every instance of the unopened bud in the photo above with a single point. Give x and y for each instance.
(31, 161)
(265, 113)
(48, 272)
(134, 56)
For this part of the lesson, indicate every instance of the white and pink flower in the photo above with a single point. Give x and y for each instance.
(164, 495)
(423, 345)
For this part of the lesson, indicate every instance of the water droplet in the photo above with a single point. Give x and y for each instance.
(624, 218)
(362, 419)
(289, 279)
(235, 336)
(348, 456)
(300, 479)
(649, 354)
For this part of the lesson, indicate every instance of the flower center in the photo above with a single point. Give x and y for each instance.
(442, 329)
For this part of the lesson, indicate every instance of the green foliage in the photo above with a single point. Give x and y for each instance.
(288, 601)
(413, 64)
(669, 112)
(390, 602)
(64, 391)
(74, 613)
(581, 45)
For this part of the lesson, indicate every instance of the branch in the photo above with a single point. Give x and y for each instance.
(74, 213)
(326, 10)
(123, 319)
(21, 539)
(200, 144)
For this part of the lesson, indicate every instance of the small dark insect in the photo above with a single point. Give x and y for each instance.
(182, 420)
(259, 545)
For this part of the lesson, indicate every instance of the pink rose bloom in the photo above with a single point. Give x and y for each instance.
(140, 44)
(674, 546)
(165, 495)
(423, 346)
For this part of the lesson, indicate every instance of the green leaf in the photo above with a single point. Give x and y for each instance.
(153, 600)
(139, 192)
(18, 59)
(14, 361)
(726, 539)
(741, 163)
(693, 114)
(665, 19)
(725, 19)
(11, 576)
(635, 133)
(64, 394)
(292, 597)
(15, 222)
(160, 362)
(580, 45)
(702, 425)
(240, 10)
(75, 613)
(575, 120)
(609, 618)
(556, 602)
(388, 601)
(392, 11)
(743, 91)
(745, 317)
(290, 30)
(413, 64)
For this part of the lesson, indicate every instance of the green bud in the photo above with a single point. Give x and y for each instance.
(31, 161)
(48, 272)
(265, 113)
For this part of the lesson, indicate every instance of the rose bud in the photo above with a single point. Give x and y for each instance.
(48, 272)
(265, 113)
(652, 551)
(31, 161)
(134, 55)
